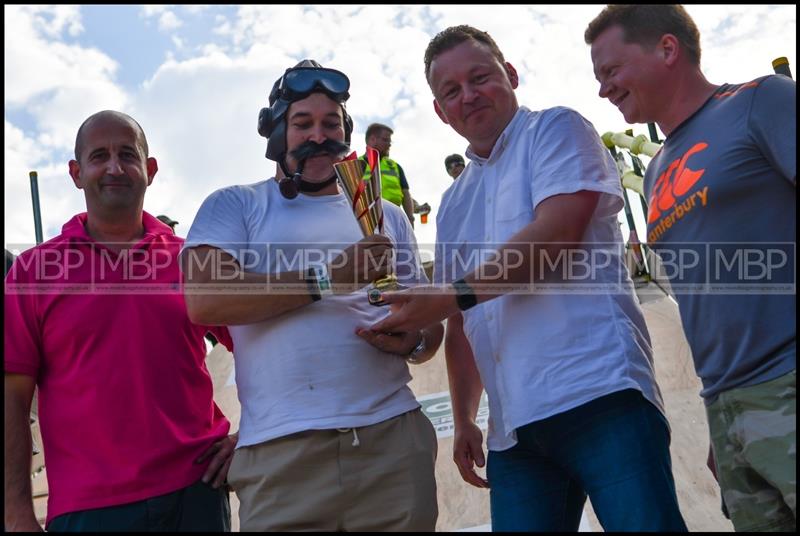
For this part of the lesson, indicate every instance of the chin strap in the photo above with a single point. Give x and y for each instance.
(290, 187)
(305, 186)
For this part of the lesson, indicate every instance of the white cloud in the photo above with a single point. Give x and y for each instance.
(37, 62)
(196, 9)
(207, 138)
(57, 85)
(168, 21)
(740, 42)
(53, 20)
(21, 155)
(153, 10)
(56, 192)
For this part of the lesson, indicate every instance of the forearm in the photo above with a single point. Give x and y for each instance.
(219, 292)
(18, 495)
(246, 298)
(516, 266)
(408, 206)
(539, 250)
(19, 512)
(465, 383)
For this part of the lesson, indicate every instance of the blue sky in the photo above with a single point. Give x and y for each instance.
(195, 77)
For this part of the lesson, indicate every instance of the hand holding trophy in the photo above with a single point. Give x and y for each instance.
(365, 198)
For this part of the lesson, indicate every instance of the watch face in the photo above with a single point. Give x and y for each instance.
(324, 283)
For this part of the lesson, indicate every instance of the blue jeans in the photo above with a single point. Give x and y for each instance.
(615, 449)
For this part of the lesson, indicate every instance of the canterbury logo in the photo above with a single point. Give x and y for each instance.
(667, 202)
(666, 190)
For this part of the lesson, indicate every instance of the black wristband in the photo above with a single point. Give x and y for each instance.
(313, 284)
(465, 296)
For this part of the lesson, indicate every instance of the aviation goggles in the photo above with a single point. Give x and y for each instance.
(300, 82)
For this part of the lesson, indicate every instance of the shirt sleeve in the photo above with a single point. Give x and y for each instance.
(570, 157)
(773, 124)
(409, 267)
(221, 223)
(22, 343)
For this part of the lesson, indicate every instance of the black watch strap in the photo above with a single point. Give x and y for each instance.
(313, 284)
(465, 296)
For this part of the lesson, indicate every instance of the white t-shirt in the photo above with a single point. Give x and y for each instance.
(307, 369)
(544, 353)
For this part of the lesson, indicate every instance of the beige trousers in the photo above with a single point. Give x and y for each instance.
(374, 478)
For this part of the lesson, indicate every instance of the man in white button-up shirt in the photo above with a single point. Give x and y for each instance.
(529, 252)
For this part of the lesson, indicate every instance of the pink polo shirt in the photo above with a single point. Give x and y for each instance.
(125, 399)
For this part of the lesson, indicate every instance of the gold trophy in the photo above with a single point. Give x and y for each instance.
(364, 194)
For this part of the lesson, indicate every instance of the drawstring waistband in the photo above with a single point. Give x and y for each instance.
(356, 442)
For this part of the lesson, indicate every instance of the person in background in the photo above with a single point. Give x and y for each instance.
(454, 164)
(394, 185)
(167, 221)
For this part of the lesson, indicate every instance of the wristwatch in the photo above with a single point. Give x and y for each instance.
(465, 296)
(413, 357)
(319, 283)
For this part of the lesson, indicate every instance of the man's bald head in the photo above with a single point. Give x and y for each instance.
(109, 115)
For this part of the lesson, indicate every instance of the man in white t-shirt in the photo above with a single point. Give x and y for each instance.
(331, 437)
(542, 313)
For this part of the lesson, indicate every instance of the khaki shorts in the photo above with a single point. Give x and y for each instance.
(374, 478)
(753, 430)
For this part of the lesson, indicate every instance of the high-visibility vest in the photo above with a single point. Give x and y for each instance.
(390, 180)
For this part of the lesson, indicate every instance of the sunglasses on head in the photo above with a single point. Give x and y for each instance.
(300, 82)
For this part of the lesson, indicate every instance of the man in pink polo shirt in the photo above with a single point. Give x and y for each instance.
(96, 319)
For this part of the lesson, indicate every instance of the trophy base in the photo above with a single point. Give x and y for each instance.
(378, 287)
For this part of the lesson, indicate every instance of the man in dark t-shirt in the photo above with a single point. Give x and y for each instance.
(722, 193)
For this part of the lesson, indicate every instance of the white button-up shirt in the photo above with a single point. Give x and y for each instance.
(544, 352)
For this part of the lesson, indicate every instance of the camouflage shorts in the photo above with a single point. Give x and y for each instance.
(753, 430)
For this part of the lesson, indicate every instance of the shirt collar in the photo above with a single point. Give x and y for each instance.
(502, 142)
(76, 227)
